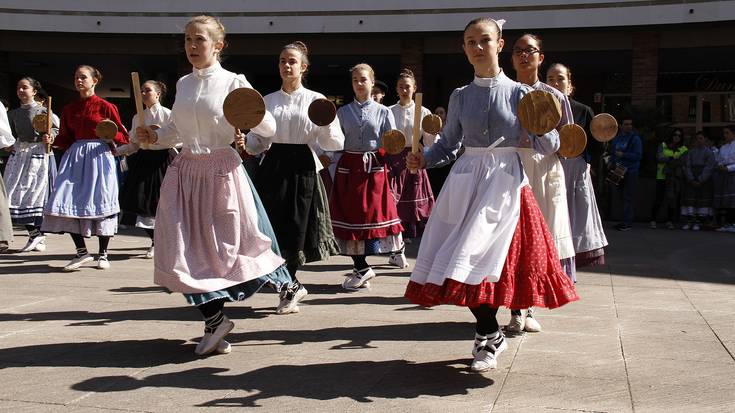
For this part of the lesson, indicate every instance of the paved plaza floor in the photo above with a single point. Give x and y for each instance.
(653, 332)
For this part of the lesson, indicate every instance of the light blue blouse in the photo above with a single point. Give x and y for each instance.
(364, 124)
(481, 113)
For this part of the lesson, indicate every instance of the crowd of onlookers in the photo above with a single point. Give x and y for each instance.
(695, 179)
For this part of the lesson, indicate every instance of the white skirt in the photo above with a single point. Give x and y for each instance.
(473, 221)
(546, 177)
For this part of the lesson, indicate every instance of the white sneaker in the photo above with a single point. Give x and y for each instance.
(480, 342)
(354, 281)
(41, 246)
(516, 324)
(103, 263)
(211, 341)
(730, 228)
(686, 226)
(290, 299)
(531, 325)
(33, 243)
(398, 260)
(224, 347)
(77, 262)
(149, 253)
(695, 227)
(487, 357)
(652, 225)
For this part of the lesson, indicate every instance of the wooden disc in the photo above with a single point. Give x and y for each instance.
(539, 112)
(431, 124)
(40, 123)
(322, 112)
(573, 141)
(244, 108)
(394, 141)
(106, 130)
(604, 127)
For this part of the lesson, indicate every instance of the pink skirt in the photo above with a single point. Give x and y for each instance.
(207, 236)
(532, 275)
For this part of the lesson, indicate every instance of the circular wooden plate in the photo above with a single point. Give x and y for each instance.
(573, 140)
(431, 124)
(244, 108)
(604, 127)
(539, 112)
(322, 112)
(40, 123)
(106, 130)
(394, 141)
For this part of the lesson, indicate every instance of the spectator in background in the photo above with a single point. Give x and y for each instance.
(668, 177)
(378, 91)
(696, 204)
(626, 150)
(724, 198)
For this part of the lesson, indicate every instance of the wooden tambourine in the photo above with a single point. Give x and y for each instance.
(244, 108)
(40, 123)
(431, 124)
(322, 112)
(106, 130)
(573, 140)
(394, 141)
(539, 112)
(604, 127)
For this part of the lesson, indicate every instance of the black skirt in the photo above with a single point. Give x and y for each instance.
(142, 187)
(294, 198)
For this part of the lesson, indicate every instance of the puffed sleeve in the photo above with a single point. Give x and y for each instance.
(445, 149)
(267, 127)
(109, 110)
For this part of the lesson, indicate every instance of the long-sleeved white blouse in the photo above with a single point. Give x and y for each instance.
(403, 116)
(291, 113)
(6, 135)
(154, 115)
(197, 119)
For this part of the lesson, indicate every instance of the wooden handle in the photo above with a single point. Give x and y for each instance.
(138, 104)
(239, 149)
(49, 122)
(415, 147)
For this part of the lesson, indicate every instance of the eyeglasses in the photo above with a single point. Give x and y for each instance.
(520, 52)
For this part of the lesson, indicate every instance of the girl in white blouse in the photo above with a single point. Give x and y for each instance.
(288, 179)
(414, 197)
(147, 167)
(215, 242)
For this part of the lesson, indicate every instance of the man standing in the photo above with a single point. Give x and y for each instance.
(626, 150)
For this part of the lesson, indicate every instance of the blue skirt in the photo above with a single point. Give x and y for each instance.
(278, 278)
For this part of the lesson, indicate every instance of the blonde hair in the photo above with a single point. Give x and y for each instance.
(366, 67)
(214, 27)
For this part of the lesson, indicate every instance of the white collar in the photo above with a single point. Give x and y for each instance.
(489, 81)
(207, 71)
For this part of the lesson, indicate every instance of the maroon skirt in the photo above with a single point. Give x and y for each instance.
(412, 192)
(361, 204)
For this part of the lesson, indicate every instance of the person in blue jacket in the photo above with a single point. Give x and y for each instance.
(626, 150)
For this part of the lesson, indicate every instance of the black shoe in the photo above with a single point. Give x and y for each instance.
(623, 227)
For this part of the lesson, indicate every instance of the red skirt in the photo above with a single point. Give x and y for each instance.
(412, 192)
(532, 275)
(361, 204)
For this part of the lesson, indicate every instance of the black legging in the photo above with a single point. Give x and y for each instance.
(660, 199)
(360, 262)
(486, 321)
(211, 308)
(79, 242)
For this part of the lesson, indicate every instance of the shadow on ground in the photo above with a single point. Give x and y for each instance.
(353, 379)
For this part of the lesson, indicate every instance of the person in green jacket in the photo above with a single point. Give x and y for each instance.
(669, 175)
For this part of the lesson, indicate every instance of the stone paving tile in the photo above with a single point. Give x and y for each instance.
(561, 392)
(669, 349)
